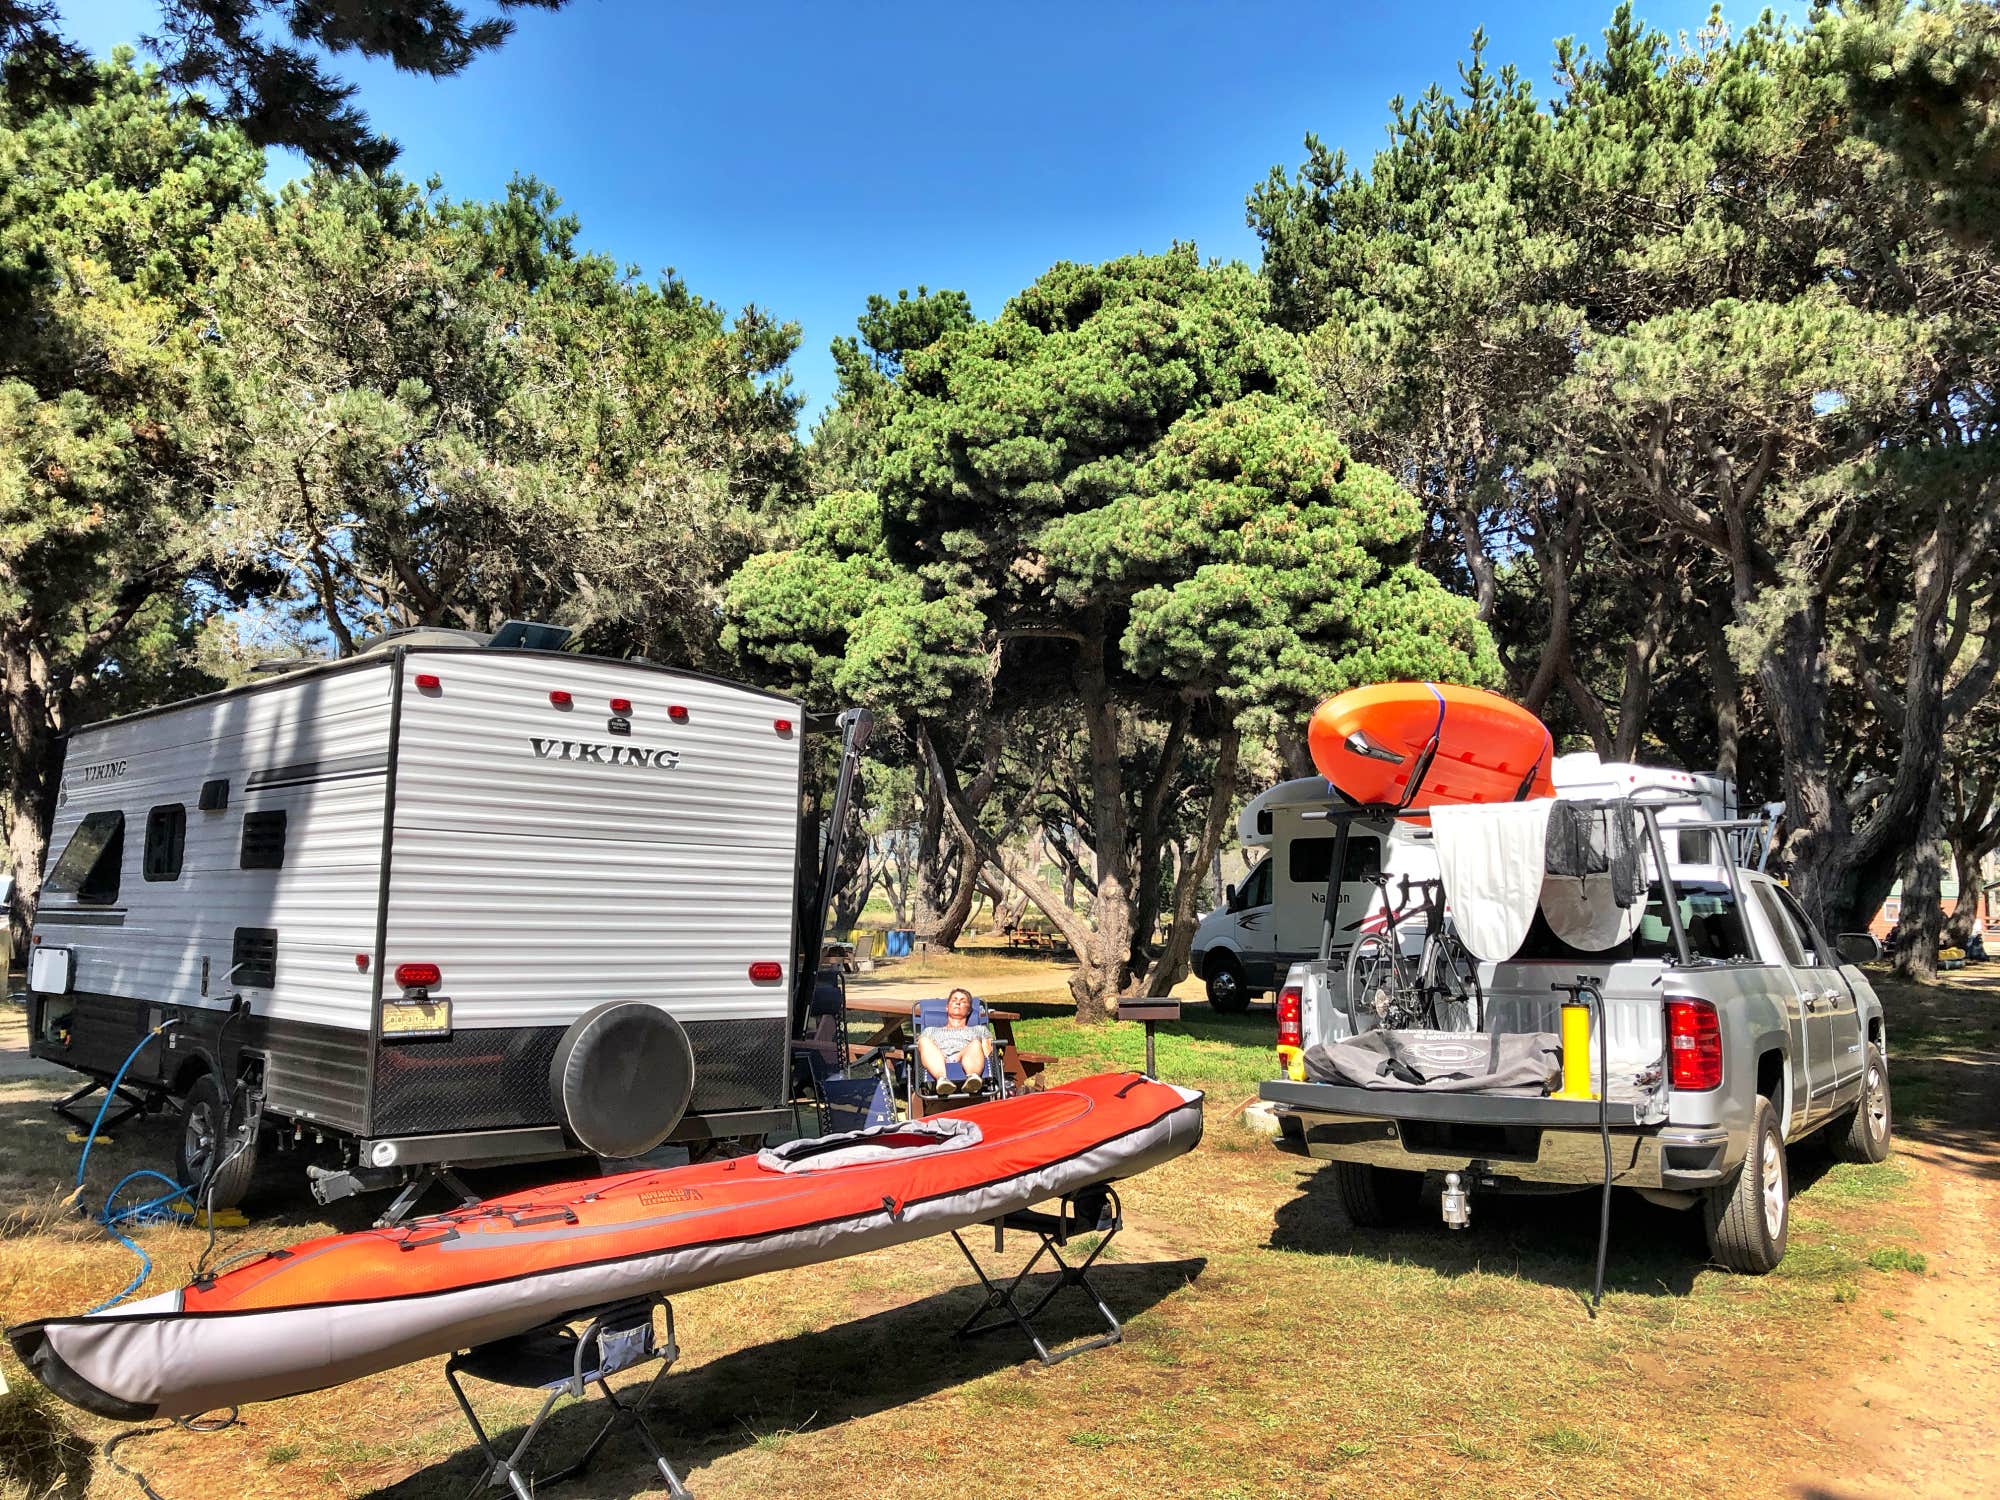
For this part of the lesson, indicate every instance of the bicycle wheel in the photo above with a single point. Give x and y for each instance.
(1378, 983)
(1452, 982)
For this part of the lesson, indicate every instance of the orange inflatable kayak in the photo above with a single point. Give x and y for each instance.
(1412, 745)
(334, 1309)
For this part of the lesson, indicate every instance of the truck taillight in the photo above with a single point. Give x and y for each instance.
(417, 976)
(1290, 1033)
(1694, 1044)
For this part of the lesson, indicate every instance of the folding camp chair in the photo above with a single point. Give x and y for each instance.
(846, 1092)
(1092, 1210)
(922, 1097)
(561, 1361)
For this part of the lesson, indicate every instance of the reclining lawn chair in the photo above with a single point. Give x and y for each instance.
(847, 1093)
(563, 1362)
(922, 1097)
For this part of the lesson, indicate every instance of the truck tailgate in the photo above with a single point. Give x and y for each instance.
(1480, 1109)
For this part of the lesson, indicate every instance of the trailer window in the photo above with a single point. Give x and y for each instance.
(263, 841)
(88, 868)
(1312, 859)
(166, 838)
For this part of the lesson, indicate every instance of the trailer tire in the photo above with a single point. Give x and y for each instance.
(201, 1135)
(1749, 1219)
(1376, 1197)
(1228, 989)
(1866, 1132)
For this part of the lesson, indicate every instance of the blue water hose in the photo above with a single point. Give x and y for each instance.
(154, 1208)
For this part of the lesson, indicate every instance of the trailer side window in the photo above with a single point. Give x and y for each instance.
(263, 841)
(166, 838)
(1312, 859)
(88, 868)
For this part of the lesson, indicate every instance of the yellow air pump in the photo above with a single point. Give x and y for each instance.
(1576, 1042)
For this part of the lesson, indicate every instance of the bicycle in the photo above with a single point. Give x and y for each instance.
(1397, 991)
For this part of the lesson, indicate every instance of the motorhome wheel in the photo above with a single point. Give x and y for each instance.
(1227, 989)
(621, 1078)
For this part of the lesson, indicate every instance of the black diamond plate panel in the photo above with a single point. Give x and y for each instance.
(738, 1064)
(498, 1079)
(471, 1080)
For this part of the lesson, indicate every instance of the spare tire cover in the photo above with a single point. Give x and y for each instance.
(621, 1078)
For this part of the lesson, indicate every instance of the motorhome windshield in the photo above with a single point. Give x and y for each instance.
(1707, 910)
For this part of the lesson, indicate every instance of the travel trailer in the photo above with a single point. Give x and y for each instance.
(1276, 916)
(451, 900)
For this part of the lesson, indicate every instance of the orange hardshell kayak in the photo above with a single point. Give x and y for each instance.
(1369, 742)
(334, 1309)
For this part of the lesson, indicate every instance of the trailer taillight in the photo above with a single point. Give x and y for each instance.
(765, 971)
(1694, 1044)
(427, 682)
(1290, 1001)
(417, 976)
(621, 705)
(560, 698)
(783, 726)
(677, 713)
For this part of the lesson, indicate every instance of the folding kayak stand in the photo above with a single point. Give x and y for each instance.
(1101, 1213)
(557, 1359)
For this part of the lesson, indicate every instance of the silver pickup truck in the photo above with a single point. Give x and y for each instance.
(1732, 1029)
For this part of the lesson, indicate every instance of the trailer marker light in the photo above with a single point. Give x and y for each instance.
(783, 726)
(621, 705)
(361, 962)
(559, 698)
(1694, 1044)
(765, 971)
(427, 682)
(417, 976)
(678, 714)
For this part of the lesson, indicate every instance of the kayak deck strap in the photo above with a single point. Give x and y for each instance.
(1089, 1210)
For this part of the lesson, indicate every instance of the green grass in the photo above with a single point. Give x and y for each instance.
(1898, 1258)
(1226, 1055)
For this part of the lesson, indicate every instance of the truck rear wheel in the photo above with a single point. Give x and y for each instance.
(1376, 1197)
(1748, 1220)
(202, 1138)
(1228, 990)
(1866, 1132)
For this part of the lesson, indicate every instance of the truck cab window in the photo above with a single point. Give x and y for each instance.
(1707, 910)
(263, 841)
(1808, 935)
(166, 839)
(88, 868)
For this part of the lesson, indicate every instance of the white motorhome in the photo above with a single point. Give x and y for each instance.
(438, 903)
(1276, 916)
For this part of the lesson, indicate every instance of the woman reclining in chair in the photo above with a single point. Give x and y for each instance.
(957, 1041)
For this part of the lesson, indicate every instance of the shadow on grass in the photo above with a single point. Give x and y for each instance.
(760, 1395)
(1545, 1237)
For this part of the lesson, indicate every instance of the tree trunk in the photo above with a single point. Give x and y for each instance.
(1966, 861)
(1104, 960)
(951, 921)
(1172, 967)
(1153, 837)
(1921, 920)
(33, 760)
(1725, 689)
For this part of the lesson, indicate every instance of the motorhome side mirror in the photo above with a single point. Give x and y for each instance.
(1229, 895)
(1857, 947)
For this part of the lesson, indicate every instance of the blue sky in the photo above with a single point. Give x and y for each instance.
(802, 156)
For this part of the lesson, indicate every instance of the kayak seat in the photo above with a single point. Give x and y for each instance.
(559, 1359)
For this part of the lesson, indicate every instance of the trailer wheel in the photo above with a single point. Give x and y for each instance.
(1228, 990)
(1749, 1219)
(1865, 1133)
(1376, 1197)
(202, 1137)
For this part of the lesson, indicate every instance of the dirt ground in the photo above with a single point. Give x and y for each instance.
(1271, 1349)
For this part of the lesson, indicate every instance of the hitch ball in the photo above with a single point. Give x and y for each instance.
(1456, 1202)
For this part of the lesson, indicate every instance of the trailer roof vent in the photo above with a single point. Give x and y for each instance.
(530, 635)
